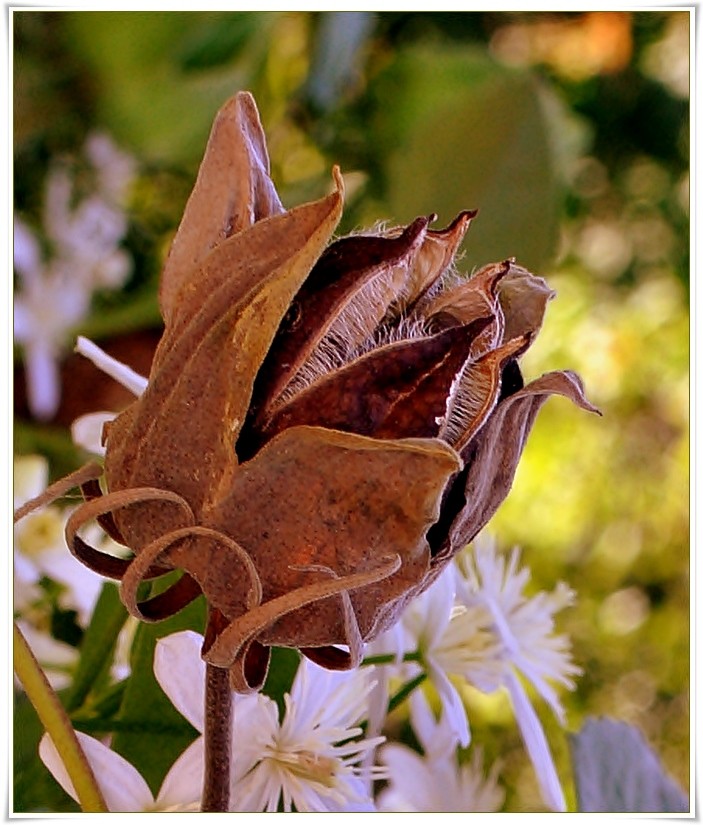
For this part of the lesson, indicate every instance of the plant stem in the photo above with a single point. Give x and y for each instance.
(57, 725)
(391, 658)
(218, 740)
(405, 691)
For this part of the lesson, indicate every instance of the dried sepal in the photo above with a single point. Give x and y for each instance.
(472, 298)
(323, 321)
(233, 190)
(351, 505)
(434, 257)
(476, 392)
(523, 299)
(180, 433)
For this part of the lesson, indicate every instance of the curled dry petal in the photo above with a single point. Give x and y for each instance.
(233, 190)
(491, 459)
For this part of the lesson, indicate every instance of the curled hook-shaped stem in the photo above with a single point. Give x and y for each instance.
(147, 559)
(104, 563)
(86, 473)
(233, 641)
(91, 490)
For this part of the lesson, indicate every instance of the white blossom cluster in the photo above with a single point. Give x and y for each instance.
(40, 554)
(59, 268)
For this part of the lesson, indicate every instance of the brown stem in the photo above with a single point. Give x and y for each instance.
(218, 725)
(218, 740)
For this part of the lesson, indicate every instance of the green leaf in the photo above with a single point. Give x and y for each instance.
(151, 732)
(98, 644)
(616, 770)
(458, 131)
(142, 93)
(282, 670)
(216, 39)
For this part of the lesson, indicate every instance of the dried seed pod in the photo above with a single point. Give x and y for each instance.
(325, 423)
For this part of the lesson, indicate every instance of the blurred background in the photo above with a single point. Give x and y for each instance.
(569, 132)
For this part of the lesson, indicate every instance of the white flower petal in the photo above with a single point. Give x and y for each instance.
(361, 801)
(56, 658)
(183, 785)
(438, 738)
(438, 603)
(87, 431)
(123, 374)
(180, 671)
(536, 745)
(121, 784)
(30, 478)
(412, 786)
(437, 783)
(43, 380)
(27, 256)
(25, 590)
(82, 585)
(311, 759)
(453, 707)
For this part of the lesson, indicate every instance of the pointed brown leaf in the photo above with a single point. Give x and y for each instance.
(238, 266)
(473, 298)
(476, 394)
(232, 191)
(436, 255)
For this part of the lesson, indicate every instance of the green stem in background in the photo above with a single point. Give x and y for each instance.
(408, 687)
(218, 740)
(56, 723)
(405, 691)
(391, 659)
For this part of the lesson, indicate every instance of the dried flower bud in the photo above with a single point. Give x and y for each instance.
(325, 424)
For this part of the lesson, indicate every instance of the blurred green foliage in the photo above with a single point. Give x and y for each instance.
(569, 132)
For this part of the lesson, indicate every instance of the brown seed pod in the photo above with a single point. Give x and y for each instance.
(325, 423)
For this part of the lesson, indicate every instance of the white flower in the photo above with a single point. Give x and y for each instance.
(115, 169)
(476, 623)
(528, 646)
(436, 781)
(123, 787)
(54, 294)
(86, 431)
(40, 552)
(40, 548)
(309, 760)
(439, 645)
(47, 304)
